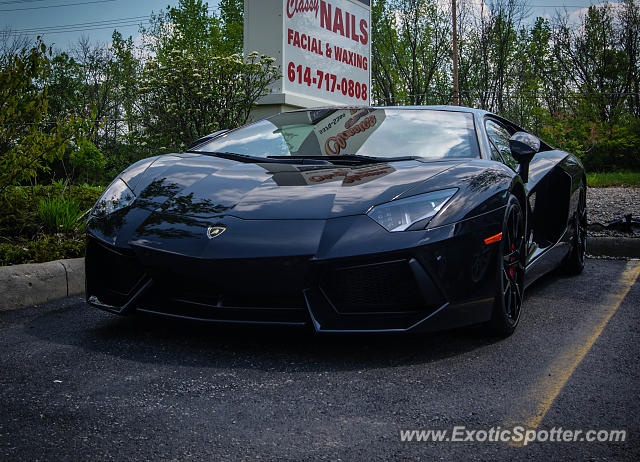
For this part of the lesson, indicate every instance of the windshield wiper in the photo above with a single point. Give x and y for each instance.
(352, 158)
(264, 160)
(307, 160)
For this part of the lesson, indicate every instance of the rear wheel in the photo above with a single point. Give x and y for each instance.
(510, 279)
(574, 261)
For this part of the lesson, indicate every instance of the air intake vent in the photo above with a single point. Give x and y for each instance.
(388, 287)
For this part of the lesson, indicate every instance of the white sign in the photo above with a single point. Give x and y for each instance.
(294, 175)
(348, 176)
(323, 48)
(328, 50)
(345, 131)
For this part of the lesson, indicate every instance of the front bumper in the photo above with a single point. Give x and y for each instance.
(426, 280)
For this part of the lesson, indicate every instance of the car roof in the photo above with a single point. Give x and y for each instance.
(441, 108)
(431, 107)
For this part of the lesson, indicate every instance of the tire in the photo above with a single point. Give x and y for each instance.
(573, 263)
(510, 272)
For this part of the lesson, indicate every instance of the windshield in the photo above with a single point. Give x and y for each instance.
(383, 133)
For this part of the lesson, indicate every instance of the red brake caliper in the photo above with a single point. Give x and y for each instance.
(512, 269)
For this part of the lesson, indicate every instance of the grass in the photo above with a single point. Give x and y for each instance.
(603, 180)
(60, 215)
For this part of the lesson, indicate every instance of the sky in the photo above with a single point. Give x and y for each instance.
(63, 22)
(95, 19)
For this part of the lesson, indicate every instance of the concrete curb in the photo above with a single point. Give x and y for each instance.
(613, 246)
(22, 286)
(27, 285)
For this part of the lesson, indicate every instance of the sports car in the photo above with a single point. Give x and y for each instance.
(343, 219)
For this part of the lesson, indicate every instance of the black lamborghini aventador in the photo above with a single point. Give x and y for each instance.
(344, 219)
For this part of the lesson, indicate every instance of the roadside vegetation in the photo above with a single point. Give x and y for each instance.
(44, 223)
(72, 119)
(604, 180)
(573, 80)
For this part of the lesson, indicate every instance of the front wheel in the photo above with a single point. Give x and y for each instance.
(510, 272)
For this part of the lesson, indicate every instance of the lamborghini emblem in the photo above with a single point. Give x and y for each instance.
(215, 231)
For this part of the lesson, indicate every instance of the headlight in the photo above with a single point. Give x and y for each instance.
(116, 197)
(402, 214)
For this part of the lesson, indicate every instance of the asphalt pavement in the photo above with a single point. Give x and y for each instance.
(80, 384)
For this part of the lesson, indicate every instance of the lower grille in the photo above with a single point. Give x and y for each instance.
(379, 296)
(226, 307)
(233, 300)
(388, 287)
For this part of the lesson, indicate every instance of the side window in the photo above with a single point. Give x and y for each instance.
(495, 154)
(499, 137)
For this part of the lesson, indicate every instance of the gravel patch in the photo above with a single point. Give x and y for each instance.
(608, 204)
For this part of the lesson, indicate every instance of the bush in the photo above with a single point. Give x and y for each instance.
(43, 249)
(602, 146)
(30, 218)
(19, 206)
(60, 215)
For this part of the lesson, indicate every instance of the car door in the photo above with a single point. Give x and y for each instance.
(546, 202)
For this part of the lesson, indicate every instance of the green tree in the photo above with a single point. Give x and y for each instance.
(30, 139)
(64, 85)
(411, 46)
(629, 18)
(196, 95)
(232, 19)
(383, 71)
(88, 158)
(595, 63)
(126, 69)
(190, 86)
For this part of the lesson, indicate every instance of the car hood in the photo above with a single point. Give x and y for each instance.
(202, 186)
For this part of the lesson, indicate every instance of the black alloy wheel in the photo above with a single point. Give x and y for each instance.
(510, 281)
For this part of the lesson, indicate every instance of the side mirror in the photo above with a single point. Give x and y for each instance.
(523, 147)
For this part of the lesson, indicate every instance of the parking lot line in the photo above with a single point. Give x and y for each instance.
(542, 395)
